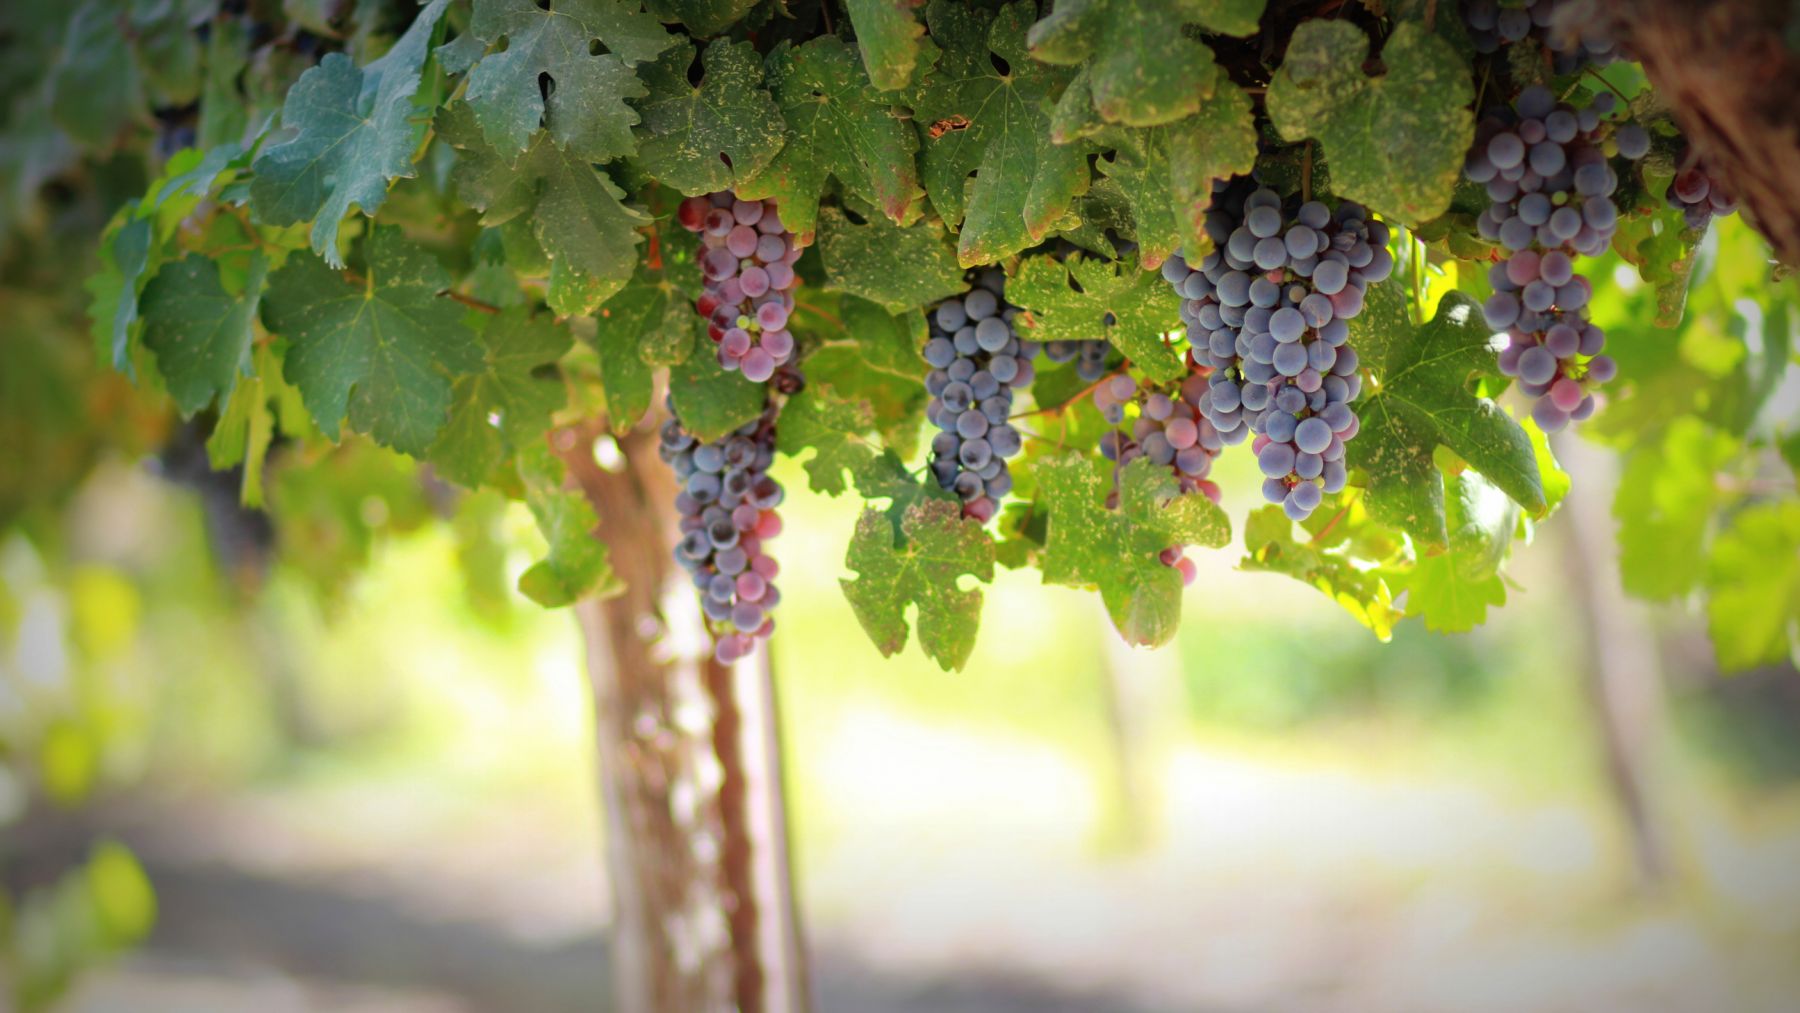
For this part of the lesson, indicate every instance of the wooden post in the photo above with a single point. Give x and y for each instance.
(689, 770)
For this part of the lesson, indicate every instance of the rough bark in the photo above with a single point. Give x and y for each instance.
(1730, 73)
(703, 917)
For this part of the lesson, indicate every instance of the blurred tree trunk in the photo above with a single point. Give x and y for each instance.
(1730, 72)
(704, 917)
(1624, 680)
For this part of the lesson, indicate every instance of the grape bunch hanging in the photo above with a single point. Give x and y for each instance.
(977, 365)
(747, 260)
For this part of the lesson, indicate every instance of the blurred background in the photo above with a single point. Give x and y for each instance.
(360, 775)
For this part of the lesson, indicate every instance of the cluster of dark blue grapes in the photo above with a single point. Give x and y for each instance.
(1090, 357)
(977, 363)
(1267, 322)
(1697, 194)
(727, 506)
(1574, 31)
(1545, 167)
(747, 261)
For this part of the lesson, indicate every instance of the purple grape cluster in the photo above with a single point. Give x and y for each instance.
(1171, 432)
(1550, 190)
(1090, 357)
(727, 505)
(1267, 317)
(1576, 32)
(747, 260)
(977, 364)
(1697, 194)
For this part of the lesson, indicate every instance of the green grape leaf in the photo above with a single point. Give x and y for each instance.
(356, 130)
(898, 267)
(1663, 249)
(246, 425)
(200, 333)
(1117, 550)
(1452, 591)
(834, 428)
(1226, 17)
(837, 125)
(626, 380)
(1395, 142)
(1423, 401)
(1142, 68)
(95, 84)
(702, 17)
(1447, 601)
(1754, 577)
(1359, 590)
(1217, 143)
(115, 287)
(1133, 309)
(578, 563)
(382, 350)
(714, 136)
(710, 400)
(586, 109)
(937, 545)
(1665, 505)
(978, 121)
(509, 401)
(871, 355)
(573, 210)
(891, 39)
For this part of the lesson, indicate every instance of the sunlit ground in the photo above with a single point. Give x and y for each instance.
(1283, 815)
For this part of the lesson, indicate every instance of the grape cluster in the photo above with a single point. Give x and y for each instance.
(1697, 194)
(1550, 189)
(1574, 31)
(1089, 356)
(727, 506)
(977, 363)
(1267, 321)
(747, 260)
(1171, 432)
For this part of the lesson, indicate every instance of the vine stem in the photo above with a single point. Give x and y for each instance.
(1335, 518)
(470, 301)
(1073, 399)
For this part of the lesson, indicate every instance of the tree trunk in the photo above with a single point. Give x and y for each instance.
(1730, 72)
(690, 774)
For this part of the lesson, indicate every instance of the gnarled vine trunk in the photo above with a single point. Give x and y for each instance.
(1730, 72)
(704, 917)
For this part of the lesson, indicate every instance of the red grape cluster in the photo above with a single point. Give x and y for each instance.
(747, 259)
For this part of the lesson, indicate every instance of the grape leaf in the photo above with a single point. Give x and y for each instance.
(711, 401)
(898, 267)
(891, 39)
(246, 424)
(1665, 504)
(937, 546)
(1452, 590)
(711, 137)
(626, 379)
(95, 81)
(871, 355)
(1218, 143)
(1423, 401)
(1133, 309)
(1395, 142)
(979, 120)
(200, 333)
(578, 563)
(834, 427)
(1139, 167)
(837, 125)
(1754, 577)
(1447, 601)
(355, 131)
(382, 349)
(586, 109)
(1142, 68)
(1226, 17)
(1117, 550)
(115, 287)
(573, 210)
(508, 402)
(1360, 590)
(702, 17)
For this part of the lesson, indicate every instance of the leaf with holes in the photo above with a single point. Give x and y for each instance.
(984, 110)
(1083, 298)
(508, 402)
(1394, 142)
(1421, 400)
(937, 546)
(578, 51)
(710, 137)
(356, 130)
(1117, 550)
(383, 349)
(574, 211)
(837, 125)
